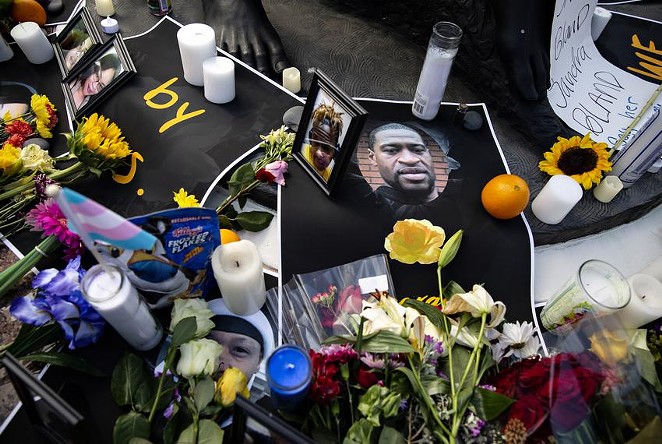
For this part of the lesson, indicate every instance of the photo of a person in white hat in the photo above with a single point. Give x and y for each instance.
(246, 340)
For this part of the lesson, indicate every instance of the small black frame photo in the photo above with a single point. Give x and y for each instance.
(253, 423)
(329, 129)
(76, 42)
(47, 411)
(96, 79)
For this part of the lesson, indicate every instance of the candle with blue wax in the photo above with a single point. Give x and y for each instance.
(289, 373)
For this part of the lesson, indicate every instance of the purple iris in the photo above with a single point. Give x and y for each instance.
(58, 298)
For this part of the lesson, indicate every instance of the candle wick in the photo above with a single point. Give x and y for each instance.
(290, 366)
(237, 262)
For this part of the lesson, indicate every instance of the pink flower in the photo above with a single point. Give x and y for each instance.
(48, 217)
(278, 170)
(350, 300)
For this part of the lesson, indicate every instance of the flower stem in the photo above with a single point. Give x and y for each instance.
(10, 276)
(230, 199)
(57, 176)
(426, 398)
(170, 356)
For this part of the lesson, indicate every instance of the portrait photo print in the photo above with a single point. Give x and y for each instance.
(76, 41)
(98, 77)
(330, 125)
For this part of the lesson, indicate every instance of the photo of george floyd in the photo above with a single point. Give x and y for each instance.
(97, 78)
(76, 41)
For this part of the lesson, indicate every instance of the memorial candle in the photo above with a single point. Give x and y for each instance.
(197, 43)
(289, 373)
(607, 189)
(105, 8)
(33, 42)
(292, 79)
(559, 195)
(6, 52)
(645, 302)
(238, 270)
(218, 73)
(111, 294)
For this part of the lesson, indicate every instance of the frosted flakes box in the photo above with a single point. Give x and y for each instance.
(179, 264)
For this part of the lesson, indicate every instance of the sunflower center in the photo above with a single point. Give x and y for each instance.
(577, 161)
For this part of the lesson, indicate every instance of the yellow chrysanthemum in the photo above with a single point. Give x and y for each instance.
(185, 200)
(415, 240)
(38, 104)
(10, 159)
(232, 381)
(43, 130)
(580, 158)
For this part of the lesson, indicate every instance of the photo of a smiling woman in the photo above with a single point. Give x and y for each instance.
(246, 340)
(95, 78)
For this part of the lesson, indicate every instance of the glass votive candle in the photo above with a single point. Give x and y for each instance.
(289, 374)
(597, 288)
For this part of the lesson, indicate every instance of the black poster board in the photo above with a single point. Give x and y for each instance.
(189, 154)
(318, 232)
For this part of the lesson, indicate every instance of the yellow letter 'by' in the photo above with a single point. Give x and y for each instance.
(181, 112)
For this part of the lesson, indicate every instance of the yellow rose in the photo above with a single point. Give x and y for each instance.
(610, 347)
(232, 381)
(415, 240)
(199, 357)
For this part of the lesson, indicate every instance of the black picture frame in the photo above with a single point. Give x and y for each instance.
(247, 414)
(323, 91)
(111, 57)
(76, 42)
(47, 411)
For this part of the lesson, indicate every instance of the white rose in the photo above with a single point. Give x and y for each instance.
(197, 308)
(199, 357)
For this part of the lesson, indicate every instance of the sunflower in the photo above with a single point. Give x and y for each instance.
(580, 158)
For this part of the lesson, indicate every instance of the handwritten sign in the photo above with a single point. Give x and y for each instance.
(587, 92)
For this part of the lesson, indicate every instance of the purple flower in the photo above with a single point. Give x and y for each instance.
(278, 170)
(58, 298)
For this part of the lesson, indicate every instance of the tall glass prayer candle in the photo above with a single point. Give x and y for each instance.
(289, 374)
(109, 291)
(159, 8)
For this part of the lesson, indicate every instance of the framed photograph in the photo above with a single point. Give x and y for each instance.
(329, 129)
(48, 412)
(96, 78)
(76, 42)
(252, 423)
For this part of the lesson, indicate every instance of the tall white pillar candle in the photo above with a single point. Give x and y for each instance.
(599, 21)
(33, 42)
(238, 270)
(6, 52)
(645, 304)
(292, 79)
(117, 301)
(197, 43)
(559, 195)
(218, 74)
(105, 8)
(607, 189)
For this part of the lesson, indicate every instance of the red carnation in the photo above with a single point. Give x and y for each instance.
(264, 176)
(366, 378)
(19, 127)
(324, 390)
(16, 140)
(52, 116)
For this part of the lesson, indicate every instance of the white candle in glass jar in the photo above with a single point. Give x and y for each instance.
(105, 8)
(559, 195)
(117, 301)
(292, 79)
(238, 270)
(218, 73)
(197, 43)
(6, 52)
(645, 302)
(33, 42)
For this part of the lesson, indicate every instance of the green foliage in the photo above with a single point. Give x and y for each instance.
(128, 426)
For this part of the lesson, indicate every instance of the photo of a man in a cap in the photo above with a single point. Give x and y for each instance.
(323, 136)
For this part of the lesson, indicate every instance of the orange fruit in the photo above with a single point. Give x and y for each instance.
(28, 11)
(505, 196)
(228, 236)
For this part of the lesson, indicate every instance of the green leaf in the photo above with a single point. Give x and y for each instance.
(144, 396)
(646, 366)
(434, 385)
(453, 288)
(31, 338)
(463, 398)
(139, 441)
(126, 380)
(359, 432)
(203, 393)
(224, 222)
(386, 342)
(486, 363)
(184, 331)
(241, 178)
(210, 432)
(450, 248)
(460, 362)
(254, 220)
(433, 314)
(131, 425)
(391, 436)
(166, 393)
(65, 360)
(410, 376)
(489, 405)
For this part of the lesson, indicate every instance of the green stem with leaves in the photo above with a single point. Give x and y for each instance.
(233, 197)
(170, 357)
(77, 168)
(10, 276)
